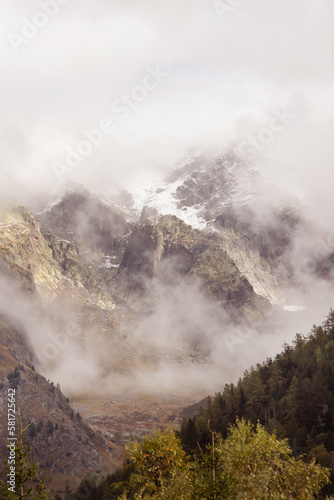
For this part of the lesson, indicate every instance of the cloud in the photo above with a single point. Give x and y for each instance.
(220, 72)
(225, 80)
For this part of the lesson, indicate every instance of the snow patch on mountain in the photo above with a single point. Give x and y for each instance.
(204, 185)
(293, 308)
(163, 199)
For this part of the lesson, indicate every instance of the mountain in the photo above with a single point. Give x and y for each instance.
(134, 305)
(32, 283)
(62, 442)
(228, 195)
(159, 242)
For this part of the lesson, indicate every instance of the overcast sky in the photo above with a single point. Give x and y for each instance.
(224, 72)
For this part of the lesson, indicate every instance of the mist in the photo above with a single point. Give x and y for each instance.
(258, 79)
(224, 78)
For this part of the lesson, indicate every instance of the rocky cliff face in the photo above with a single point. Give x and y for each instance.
(36, 274)
(258, 248)
(226, 195)
(87, 239)
(135, 303)
(85, 220)
(25, 256)
(192, 254)
(15, 341)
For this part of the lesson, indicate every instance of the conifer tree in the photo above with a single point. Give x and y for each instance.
(25, 473)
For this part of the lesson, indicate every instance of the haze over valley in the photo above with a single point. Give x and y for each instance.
(165, 210)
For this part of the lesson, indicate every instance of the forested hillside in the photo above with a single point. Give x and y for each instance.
(259, 438)
(250, 464)
(291, 395)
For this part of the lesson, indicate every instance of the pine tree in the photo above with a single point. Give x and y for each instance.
(25, 473)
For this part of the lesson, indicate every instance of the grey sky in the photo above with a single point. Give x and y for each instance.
(224, 79)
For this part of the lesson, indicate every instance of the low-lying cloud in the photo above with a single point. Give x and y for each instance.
(226, 81)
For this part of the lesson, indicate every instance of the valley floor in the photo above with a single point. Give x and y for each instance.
(122, 417)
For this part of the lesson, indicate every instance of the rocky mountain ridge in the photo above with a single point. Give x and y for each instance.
(117, 305)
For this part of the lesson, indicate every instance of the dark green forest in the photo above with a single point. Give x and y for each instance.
(268, 437)
(292, 395)
(289, 398)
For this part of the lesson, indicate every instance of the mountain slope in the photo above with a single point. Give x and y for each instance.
(223, 193)
(291, 394)
(131, 314)
(160, 241)
(64, 444)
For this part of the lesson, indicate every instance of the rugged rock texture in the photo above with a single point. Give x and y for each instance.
(84, 262)
(258, 248)
(209, 180)
(25, 256)
(14, 340)
(43, 278)
(224, 194)
(85, 220)
(87, 238)
(191, 254)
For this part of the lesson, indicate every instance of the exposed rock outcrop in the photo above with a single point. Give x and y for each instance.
(86, 221)
(25, 256)
(192, 254)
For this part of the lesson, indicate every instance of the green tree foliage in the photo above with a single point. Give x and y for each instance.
(14, 377)
(250, 464)
(160, 467)
(32, 430)
(253, 464)
(50, 427)
(292, 394)
(28, 484)
(278, 450)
